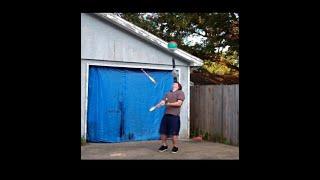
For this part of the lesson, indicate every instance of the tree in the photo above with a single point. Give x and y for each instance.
(219, 32)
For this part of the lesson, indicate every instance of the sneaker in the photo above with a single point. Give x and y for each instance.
(163, 148)
(174, 149)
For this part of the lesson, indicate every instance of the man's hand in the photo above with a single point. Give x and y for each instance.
(161, 103)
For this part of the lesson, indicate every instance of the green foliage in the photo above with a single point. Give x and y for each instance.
(228, 64)
(83, 141)
(216, 68)
(218, 30)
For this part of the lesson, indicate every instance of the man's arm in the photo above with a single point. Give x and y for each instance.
(161, 103)
(175, 104)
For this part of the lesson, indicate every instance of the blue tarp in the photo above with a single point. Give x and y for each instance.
(119, 100)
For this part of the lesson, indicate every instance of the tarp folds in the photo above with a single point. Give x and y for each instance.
(119, 100)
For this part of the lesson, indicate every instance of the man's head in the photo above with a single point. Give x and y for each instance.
(176, 86)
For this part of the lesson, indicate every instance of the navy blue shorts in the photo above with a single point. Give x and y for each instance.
(170, 125)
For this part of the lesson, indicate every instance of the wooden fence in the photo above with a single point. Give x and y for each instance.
(214, 110)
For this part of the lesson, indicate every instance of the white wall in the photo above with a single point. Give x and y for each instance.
(101, 40)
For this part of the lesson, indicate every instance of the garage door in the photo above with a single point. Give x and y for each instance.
(119, 100)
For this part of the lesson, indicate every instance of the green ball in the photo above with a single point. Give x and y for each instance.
(172, 45)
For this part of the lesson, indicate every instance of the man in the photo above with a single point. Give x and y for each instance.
(170, 124)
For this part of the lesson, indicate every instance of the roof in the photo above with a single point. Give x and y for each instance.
(120, 22)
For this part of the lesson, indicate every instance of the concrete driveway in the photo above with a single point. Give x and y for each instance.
(149, 150)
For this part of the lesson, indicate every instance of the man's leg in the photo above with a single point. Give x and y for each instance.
(164, 146)
(164, 139)
(176, 128)
(175, 141)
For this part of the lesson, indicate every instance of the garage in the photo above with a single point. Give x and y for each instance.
(119, 102)
(125, 70)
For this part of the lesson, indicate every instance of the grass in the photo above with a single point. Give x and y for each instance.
(83, 141)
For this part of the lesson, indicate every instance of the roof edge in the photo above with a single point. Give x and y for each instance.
(193, 60)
